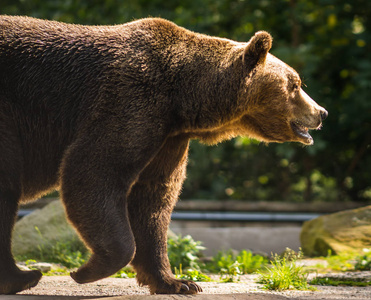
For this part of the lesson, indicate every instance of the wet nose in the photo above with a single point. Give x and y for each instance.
(324, 114)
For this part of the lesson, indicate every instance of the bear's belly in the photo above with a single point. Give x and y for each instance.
(42, 158)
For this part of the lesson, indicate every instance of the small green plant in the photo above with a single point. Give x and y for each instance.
(184, 251)
(191, 274)
(284, 273)
(231, 273)
(246, 260)
(363, 262)
(222, 260)
(58, 270)
(250, 263)
(71, 254)
(30, 262)
(68, 256)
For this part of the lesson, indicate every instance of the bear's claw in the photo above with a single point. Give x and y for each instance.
(184, 288)
(175, 286)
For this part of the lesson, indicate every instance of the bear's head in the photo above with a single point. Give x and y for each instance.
(276, 107)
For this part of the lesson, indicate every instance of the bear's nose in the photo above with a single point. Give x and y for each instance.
(324, 114)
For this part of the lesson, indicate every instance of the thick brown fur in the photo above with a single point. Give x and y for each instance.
(105, 113)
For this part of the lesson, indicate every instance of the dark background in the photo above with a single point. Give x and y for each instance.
(327, 42)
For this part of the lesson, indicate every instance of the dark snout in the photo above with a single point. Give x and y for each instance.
(323, 114)
(310, 116)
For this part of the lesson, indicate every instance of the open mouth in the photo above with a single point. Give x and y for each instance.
(302, 131)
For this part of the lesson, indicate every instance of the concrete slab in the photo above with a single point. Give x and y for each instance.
(257, 239)
(64, 288)
(43, 297)
(253, 296)
(205, 297)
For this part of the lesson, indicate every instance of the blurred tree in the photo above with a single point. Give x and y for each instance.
(327, 41)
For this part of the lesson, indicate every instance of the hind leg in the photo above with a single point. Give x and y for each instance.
(95, 182)
(151, 202)
(101, 221)
(107, 234)
(12, 280)
(97, 209)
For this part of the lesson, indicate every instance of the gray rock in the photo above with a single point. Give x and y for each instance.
(41, 230)
(22, 267)
(41, 266)
(348, 230)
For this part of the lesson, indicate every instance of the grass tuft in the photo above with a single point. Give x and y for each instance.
(284, 273)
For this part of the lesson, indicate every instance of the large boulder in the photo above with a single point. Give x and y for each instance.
(42, 230)
(348, 230)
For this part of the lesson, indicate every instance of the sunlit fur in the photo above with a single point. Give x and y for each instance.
(105, 115)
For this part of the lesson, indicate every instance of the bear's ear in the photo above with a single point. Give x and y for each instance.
(257, 49)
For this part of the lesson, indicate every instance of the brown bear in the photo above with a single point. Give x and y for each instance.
(104, 114)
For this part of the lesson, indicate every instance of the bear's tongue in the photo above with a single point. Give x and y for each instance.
(300, 130)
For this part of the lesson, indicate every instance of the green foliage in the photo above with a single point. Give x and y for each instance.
(126, 272)
(284, 273)
(184, 251)
(250, 263)
(183, 255)
(190, 274)
(231, 273)
(245, 261)
(68, 254)
(341, 261)
(328, 42)
(363, 262)
(58, 270)
(71, 254)
(29, 262)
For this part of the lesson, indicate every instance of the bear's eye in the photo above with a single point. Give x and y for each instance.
(295, 86)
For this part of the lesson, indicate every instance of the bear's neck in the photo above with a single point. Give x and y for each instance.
(208, 93)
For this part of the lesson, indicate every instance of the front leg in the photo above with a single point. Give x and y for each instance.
(150, 205)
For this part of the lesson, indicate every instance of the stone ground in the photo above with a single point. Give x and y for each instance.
(64, 288)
